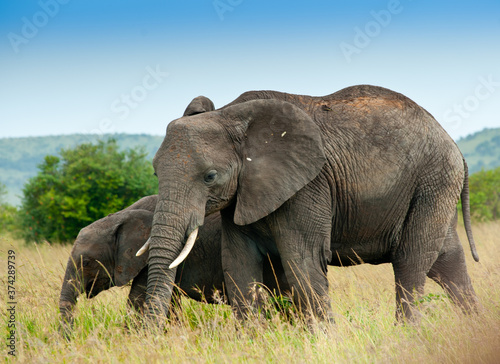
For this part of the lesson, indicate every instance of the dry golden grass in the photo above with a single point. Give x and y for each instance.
(362, 298)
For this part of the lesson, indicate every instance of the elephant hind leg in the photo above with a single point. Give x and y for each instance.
(425, 230)
(410, 280)
(450, 272)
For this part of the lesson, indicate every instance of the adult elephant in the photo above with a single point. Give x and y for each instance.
(104, 256)
(363, 175)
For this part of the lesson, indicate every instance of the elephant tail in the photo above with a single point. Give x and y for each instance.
(466, 213)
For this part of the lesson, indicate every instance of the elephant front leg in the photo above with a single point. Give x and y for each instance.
(243, 268)
(309, 287)
(137, 295)
(305, 255)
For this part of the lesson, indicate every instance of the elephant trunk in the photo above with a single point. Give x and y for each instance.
(165, 244)
(69, 293)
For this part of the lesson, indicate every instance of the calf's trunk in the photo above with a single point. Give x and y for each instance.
(70, 290)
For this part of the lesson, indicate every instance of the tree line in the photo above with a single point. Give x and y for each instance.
(90, 181)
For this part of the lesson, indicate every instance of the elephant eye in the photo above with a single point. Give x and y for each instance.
(210, 176)
(86, 262)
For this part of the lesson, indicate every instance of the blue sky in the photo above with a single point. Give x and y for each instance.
(81, 66)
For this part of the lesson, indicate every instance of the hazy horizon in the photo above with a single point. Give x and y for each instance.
(162, 135)
(132, 67)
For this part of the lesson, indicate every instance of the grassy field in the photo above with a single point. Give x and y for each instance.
(362, 297)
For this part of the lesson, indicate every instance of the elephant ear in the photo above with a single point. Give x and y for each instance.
(130, 237)
(281, 151)
(199, 105)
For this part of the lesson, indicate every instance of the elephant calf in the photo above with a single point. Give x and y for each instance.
(104, 255)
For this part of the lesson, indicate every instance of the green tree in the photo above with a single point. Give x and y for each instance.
(83, 185)
(3, 192)
(485, 194)
(8, 213)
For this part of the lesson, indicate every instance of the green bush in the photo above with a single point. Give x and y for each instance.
(485, 195)
(83, 185)
(8, 213)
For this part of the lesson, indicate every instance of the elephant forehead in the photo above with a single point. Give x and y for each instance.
(187, 143)
(193, 129)
(94, 233)
(86, 233)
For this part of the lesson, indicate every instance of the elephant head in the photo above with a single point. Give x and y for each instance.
(249, 157)
(104, 255)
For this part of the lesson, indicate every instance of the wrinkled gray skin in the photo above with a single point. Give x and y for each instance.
(361, 175)
(114, 240)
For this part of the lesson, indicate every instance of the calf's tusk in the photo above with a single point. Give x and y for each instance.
(185, 251)
(144, 248)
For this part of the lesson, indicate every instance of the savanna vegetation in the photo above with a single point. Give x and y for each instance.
(8, 213)
(485, 194)
(362, 298)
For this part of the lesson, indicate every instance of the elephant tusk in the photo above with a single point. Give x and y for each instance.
(144, 248)
(185, 251)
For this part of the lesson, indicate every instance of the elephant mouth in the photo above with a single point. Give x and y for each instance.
(94, 287)
(91, 290)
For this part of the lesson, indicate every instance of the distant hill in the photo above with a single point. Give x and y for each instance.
(19, 157)
(481, 150)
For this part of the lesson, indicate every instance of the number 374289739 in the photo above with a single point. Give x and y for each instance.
(11, 275)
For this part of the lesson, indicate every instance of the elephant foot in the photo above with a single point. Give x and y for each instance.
(472, 305)
(66, 326)
(408, 314)
(466, 300)
(134, 321)
(321, 327)
(66, 330)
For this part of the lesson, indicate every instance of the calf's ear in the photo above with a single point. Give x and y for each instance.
(130, 237)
